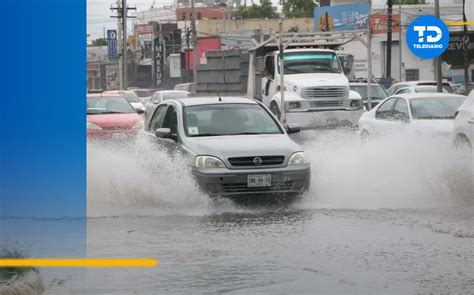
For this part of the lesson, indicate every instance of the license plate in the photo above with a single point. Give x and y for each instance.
(259, 180)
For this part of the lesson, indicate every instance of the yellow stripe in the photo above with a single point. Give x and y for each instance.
(459, 23)
(80, 262)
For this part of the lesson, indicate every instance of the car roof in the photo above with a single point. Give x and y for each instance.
(208, 100)
(173, 91)
(118, 91)
(421, 95)
(415, 83)
(97, 95)
(363, 83)
(308, 50)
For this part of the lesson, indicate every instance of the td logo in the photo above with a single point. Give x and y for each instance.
(427, 37)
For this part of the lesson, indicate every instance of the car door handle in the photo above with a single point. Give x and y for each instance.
(471, 121)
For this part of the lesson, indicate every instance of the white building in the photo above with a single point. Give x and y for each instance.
(412, 67)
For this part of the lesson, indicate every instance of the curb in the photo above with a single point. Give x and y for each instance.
(27, 284)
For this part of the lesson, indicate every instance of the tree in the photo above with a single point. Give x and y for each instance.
(99, 42)
(298, 8)
(264, 10)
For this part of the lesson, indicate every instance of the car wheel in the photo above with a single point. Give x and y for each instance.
(275, 110)
(462, 143)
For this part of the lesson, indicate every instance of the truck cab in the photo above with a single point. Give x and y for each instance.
(314, 85)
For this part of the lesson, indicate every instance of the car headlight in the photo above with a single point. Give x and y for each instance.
(208, 162)
(297, 158)
(92, 126)
(138, 125)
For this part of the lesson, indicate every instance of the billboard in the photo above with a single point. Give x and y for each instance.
(341, 17)
(378, 23)
(112, 44)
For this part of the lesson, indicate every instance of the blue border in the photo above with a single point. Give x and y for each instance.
(42, 121)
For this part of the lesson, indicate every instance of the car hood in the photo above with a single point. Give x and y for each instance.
(110, 120)
(316, 79)
(224, 147)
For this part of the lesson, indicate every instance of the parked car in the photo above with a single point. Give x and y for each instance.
(395, 87)
(131, 97)
(416, 114)
(419, 89)
(112, 117)
(378, 93)
(464, 124)
(143, 93)
(190, 87)
(461, 88)
(234, 146)
(162, 95)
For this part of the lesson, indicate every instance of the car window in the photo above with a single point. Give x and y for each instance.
(385, 109)
(108, 105)
(400, 111)
(229, 119)
(435, 107)
(171, 120)
(394, 88)
(403, 90)
(156, 97)
(158, 116)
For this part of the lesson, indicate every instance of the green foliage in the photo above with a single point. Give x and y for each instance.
(409, 2)
(99, 42)
(9, 272)
(264, 10)
(298, 8)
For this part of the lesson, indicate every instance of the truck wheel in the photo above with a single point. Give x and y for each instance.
(275, 110)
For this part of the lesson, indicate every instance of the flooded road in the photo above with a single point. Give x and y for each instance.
(384, 218)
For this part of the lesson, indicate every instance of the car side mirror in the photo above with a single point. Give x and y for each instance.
(140, 111)
(293, 128)
(165, 133)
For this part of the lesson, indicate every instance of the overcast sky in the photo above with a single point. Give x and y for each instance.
(98, 13)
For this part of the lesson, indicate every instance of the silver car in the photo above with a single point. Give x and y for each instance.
(234, 146)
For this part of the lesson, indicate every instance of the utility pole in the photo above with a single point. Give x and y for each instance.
(194, 40)
(465, 40)
(400, 59)
(388, 69)
(125, 43)
(282, 75)
(119, 37)
(439, 77)
(122, 15)
(369, 60)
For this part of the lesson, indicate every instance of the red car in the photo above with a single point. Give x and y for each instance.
(112, 117)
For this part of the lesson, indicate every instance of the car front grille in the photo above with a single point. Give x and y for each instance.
(325, 92)
(243, 188)
(326, 103)
(250, 161)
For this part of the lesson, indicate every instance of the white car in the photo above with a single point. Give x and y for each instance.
(464, 124)
(395, 87)
(415, 114)
(160, 96)
(419, 89)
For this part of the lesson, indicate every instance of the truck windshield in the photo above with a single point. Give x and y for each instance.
(311, 62)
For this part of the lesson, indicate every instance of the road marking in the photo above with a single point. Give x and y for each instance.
(79, 262)
(459, 23)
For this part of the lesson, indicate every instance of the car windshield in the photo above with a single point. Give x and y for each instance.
(228, 119)
(174, 95)
(108, 105)
(435, 107)
(311, 62)
(144, 93)
(377, 91)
